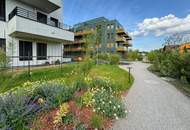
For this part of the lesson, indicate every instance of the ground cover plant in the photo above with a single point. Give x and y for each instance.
(70, 101)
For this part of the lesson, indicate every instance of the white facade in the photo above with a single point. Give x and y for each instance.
(26, 27)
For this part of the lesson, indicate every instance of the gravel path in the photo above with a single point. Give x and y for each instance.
(154, 104)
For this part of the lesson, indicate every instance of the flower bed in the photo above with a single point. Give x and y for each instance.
(91, 102)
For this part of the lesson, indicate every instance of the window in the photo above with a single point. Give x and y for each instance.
(2, 10)
(41, 51)
(42, 18)
(25, 50)
(3, 44)
(54, 21)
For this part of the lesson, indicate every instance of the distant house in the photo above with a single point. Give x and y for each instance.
(170, 47)
(32, 30)
(184, 48)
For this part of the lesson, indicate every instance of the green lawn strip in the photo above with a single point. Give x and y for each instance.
(118, 75)
(10, 81)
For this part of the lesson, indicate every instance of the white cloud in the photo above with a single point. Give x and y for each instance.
(169, 24)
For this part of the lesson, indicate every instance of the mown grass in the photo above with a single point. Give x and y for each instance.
(12, 80)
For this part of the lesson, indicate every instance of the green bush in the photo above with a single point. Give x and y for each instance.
(54, 94)
(186, 66)
(96, 121)
(80, 126)
(80, 84)
(87, 99)
(152, 56)
(17, 110)
(3, 59)
(114, 59)
(102, 83)
(107, 58)
(68, 119)
(108, 105)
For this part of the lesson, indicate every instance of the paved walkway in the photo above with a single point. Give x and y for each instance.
(154, 104)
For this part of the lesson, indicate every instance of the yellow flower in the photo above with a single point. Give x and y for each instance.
(41, 101)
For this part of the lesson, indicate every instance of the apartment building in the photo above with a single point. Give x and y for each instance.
(114, 38)
(32, 30)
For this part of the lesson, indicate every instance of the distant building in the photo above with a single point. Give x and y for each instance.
(114, 39)
(184, 48)
(170, 47)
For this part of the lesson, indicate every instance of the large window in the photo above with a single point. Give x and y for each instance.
(42, 18)
(54, 21)
(2, 10)
(25, 50)
(3, 44)
(41, 51)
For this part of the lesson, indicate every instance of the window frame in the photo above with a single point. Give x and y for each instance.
(23, 48)
(41, 54)
(3, 5)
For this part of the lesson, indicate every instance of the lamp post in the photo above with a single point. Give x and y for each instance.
(129, 70)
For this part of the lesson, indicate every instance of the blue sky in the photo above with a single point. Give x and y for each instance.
(132, 12)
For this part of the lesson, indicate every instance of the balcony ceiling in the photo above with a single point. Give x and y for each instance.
(43, 5)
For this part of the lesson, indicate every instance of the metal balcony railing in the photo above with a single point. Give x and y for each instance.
(33, 16)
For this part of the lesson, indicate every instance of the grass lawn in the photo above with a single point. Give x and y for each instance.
(11, 80)
(115, 73)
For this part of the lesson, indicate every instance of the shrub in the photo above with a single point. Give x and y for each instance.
(53, 93)
(152, 56)
(186, 66)
(85, 67)
(80, 126)
(64, 110)
(68, 119)
(3, 59)
(80, 84)
(17, 110)
(104, 83)
(108, 105)
(114, 59)
(96, 121)
(87, 99)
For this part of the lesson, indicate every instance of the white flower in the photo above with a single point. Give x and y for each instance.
(109, 101)
(114, 107)
(116, 118)
(115, 114)
(119, 106)
(126, 111)
(94, 110)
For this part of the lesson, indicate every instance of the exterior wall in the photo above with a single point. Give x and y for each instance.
(2, 29)
(54, 51)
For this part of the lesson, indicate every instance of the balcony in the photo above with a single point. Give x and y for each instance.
(82, 33)
(46, 6)
(121, 49)
(120, 39)
(121, 31)
(24, 23)
(77, 49)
